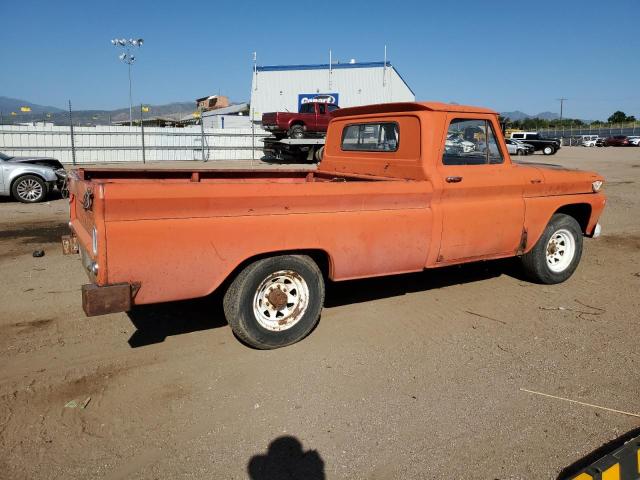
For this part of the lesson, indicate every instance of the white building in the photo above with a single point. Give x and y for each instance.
(287, 87)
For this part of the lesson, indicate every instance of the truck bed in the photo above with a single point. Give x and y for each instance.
(191, 228)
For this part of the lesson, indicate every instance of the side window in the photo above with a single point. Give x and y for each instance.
(306, 108)
(517, 135)
(322, 108)
(371, 137)
(493, 150)
(470, 142)
(332, 107)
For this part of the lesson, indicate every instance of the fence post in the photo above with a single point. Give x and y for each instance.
(253, 140)
(144, 156)
(202, 137)
(73, 145)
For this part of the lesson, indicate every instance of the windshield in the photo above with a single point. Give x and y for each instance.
(4, 157)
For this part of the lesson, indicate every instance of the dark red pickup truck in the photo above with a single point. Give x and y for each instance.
(313, 118)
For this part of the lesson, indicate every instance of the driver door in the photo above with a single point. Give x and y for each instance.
(482, 204)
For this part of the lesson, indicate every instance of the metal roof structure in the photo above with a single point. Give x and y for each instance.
(230, 110)
(325, 66)
(287, 87)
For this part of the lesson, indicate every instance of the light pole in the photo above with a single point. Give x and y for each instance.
(127, 57)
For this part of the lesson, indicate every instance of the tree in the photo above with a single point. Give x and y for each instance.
(618, 117)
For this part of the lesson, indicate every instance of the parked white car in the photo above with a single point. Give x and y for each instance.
(634, 140)
(588, 140)
(516, 147)
(454, 142)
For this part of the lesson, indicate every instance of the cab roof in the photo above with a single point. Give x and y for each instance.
(410, 107)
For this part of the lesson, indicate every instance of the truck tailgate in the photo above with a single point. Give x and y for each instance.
(86, 215)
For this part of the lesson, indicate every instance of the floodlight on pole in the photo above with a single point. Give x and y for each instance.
(127, 57)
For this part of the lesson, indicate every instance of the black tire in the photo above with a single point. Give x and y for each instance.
(519, 152)
(296, 131)
(535, 262)
(243, 292)
(29, 189)
(318, 155)
(548, 150)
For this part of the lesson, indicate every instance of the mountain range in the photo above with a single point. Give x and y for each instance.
(59, 116)
(518, 115)
(173, 110)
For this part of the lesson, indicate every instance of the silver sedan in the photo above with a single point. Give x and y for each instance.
(30, 179)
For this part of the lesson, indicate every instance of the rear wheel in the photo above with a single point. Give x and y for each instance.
(275, 301)
(548, 150)
(29, 189)
(557, 253)
(296, 131)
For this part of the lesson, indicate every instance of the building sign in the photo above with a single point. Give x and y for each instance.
(317, 97)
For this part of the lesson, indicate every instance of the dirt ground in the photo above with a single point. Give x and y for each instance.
(413, 376)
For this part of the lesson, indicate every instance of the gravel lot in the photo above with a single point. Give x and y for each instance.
(414, 376)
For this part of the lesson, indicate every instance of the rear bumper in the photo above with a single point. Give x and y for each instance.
(114, 298)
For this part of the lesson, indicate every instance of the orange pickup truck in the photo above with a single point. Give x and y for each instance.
(401, 187)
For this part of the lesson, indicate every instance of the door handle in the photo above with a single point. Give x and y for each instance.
(453, 179)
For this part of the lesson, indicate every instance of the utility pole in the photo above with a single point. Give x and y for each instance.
(561, 100)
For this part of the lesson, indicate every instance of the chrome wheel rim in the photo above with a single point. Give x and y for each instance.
(561, 249)
(281, 300)
(29, 189)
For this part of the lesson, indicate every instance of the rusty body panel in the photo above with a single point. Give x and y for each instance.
(106, 299)
(179, 234)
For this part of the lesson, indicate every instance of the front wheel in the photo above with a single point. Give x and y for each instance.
(548, 150)
(296, 132)
(557, 253)
(29, 189)
(275, 301)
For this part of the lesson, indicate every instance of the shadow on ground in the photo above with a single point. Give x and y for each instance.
(285, 459)
(154, 323)
(35, 233)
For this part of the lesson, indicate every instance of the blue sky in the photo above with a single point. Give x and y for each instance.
(494, 54)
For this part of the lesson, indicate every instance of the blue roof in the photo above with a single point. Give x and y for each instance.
(325, 66)
(320, 66)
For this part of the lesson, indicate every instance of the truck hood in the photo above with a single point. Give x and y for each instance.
(46, 161)
(543, 179)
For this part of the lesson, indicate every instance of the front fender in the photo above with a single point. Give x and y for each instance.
(539, 211)
(47, 174)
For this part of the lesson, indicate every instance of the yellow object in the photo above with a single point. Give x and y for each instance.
(583, 476)
(25, 109)
(196, 114)
(612, 473)
(145, 108)
(13, 113)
